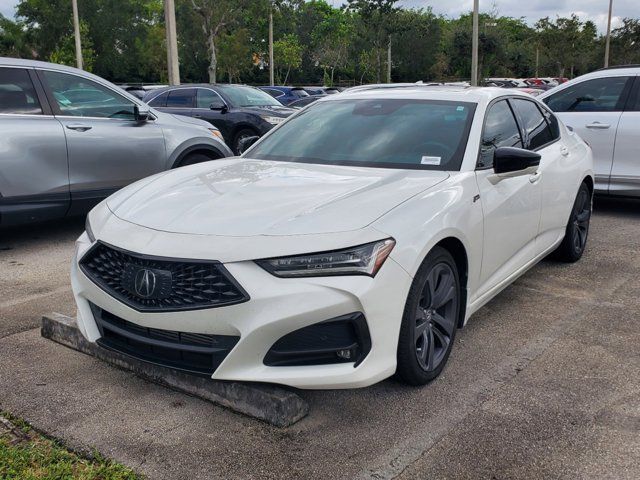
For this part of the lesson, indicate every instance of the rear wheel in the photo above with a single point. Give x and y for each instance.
(577, 231)
(430, 319)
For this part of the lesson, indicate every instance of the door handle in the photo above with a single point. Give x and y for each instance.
(564, 151)
(78, 127)
(535, 177)
(598, 126)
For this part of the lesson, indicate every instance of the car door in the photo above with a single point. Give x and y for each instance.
(593, 109)
(625, 171)
(180, 101)
(34, 175)
(211, 107)
(107, 147)
(510, 204)
(556, 173)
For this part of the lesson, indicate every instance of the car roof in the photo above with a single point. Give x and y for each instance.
(618, 71)
(428, 92)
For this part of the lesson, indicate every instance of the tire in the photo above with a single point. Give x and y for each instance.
(577, 231)
(193, 158)
(243, 133)
(430, 319)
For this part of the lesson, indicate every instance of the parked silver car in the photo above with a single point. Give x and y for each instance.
(603, 107)
(70, 139)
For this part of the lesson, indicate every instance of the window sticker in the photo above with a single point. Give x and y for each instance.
(426, 160)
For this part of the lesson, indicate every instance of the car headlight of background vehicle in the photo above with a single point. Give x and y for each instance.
(273, 120)
(87, 228)
(216, 133)
(361, 260)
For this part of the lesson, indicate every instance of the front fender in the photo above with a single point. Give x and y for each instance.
(212, 144)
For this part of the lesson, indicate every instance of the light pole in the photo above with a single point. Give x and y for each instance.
(76, 33)
(173, 65)
(271, 65)
(608, 39)
(474, 45)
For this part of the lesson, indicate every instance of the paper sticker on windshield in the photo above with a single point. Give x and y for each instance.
(460, 109)
(430, 160)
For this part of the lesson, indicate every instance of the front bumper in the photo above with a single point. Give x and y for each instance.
(277, 307)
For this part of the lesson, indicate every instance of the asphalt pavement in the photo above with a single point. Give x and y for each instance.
(544, 382)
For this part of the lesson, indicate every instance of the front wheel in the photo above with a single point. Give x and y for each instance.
(241, 135)
(577, 230)
(430, 319)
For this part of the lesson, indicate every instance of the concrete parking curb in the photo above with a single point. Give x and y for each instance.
(272, 404)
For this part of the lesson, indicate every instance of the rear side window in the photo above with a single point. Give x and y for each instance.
(500, 130)
(160, 100)
(181, 98)
(535, 125)
(17, 94)
(597, 95)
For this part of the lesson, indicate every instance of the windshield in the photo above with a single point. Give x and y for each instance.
(390, 133)
(240, 96)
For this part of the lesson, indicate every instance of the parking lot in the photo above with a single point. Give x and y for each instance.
(543, 382)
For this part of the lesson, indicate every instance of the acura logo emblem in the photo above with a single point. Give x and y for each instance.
(145, 283)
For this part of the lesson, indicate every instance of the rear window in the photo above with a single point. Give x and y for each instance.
(390, 133)
(17, 94)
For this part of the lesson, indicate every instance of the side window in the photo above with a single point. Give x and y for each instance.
(17, 94)
(597, 95)
(181, 98)
(209, 99)
(79, 97)
(160, 100)
(500, 130)
(535, 125)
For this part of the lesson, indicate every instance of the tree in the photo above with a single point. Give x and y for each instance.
(377, 23)
(287, 54)
(235, 54)
(331, 38)
(13, 39)
(215, 15)
(65, 52)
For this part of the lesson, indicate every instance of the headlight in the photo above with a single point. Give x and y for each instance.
(274, 120)
(216, 133)
(87, 228)
(361, 260)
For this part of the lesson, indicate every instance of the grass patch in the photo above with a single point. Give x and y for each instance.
(27, 455)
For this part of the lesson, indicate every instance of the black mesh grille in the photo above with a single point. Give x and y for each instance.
(192, 352)
(160, 284)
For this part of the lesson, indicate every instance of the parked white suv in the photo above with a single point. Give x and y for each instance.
(603, 107)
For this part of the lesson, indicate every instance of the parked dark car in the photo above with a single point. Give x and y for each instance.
(285, 95)
(238, 111)
(303, 102)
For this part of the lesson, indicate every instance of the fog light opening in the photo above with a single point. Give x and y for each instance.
(345, 354)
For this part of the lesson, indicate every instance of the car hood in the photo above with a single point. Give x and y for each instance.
(243, 197)
(171, 118)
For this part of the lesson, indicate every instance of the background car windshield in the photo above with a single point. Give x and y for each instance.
(250, 97)
(392, 133)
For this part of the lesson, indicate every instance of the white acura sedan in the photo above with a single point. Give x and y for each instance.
(348, 244)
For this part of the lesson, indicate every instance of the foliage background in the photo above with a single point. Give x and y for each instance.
(315, 42)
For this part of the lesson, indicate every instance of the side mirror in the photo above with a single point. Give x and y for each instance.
(141, 114)
(246, 142)
(219, 106)
(510, 159)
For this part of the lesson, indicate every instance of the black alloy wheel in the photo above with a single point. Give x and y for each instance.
(430, 319)
(577, 231)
